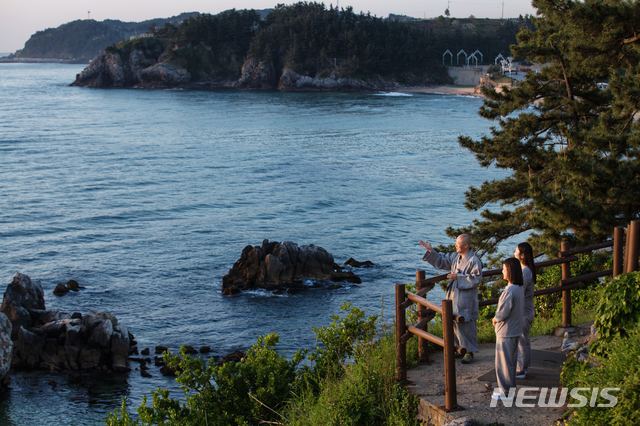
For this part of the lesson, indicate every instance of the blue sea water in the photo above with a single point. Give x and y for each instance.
(147, 198)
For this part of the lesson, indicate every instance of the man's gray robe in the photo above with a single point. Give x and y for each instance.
(463, 292)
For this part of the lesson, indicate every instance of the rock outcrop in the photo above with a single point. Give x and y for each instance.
(6, 346)
(140, 67)
(257, 75)
(275, 265)
(164, 75)
(54, 340)
(291, 81)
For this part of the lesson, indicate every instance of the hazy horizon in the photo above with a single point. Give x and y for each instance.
(19, 19)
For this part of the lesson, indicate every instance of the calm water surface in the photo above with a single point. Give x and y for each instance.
(147, 198)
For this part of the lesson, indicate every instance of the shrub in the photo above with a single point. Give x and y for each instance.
(618, 310)
(621, 369)
(231, 394)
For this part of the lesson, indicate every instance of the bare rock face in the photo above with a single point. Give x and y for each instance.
(110, 69)
(6, 346)
(103, 71)
(290, 81)
(274, 265)
(257, 75)
(164, 75)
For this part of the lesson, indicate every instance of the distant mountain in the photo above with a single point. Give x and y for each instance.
(83, 40)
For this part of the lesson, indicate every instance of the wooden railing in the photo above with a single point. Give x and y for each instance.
(404, 332)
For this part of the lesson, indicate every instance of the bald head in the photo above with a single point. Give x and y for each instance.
(463, 244)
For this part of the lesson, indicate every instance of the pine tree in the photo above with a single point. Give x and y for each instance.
(571, 147)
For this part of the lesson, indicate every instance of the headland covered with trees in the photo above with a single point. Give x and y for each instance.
(284, 46)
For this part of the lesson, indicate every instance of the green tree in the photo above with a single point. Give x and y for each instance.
(571, 147)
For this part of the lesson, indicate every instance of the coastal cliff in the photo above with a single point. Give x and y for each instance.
(140, 65)
(144, 68)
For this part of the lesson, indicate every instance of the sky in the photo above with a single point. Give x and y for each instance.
(19, 19)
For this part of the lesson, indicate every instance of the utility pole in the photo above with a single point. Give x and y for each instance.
(89, 15)
(502, 10)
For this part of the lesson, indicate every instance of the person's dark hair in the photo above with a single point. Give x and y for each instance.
(514, 271)
(526, 251)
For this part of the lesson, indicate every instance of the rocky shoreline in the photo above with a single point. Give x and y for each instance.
(34, 338)
(149, 68)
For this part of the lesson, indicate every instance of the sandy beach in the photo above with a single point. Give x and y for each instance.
(448, 90)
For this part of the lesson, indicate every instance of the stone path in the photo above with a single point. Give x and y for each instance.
(476, 381)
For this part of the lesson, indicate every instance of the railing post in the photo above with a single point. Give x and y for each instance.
(566, 295)
(618, 263)
(423, 344)
(627, 232)
(401, 328)
(450, 391)
(633, 235)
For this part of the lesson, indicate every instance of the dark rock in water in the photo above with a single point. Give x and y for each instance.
(356, 264)
(345, 276)
(161, 349)
(190, 350)
(205, 349)
(54, 340)
(334, 287)
(60, 289)
(236, 356)
(21, 296)
(73, 285)
(158, 361)
(145, 351)
(282, 265)
(166, 371)
(145, 373)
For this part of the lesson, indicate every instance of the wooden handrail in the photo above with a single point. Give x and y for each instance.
(432, 338)
(549, 290)
(586, 277)
(433, 306)
(592, 247)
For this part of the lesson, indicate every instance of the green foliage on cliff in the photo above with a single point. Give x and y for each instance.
(350, 381)
(312, 40)
(212, 47)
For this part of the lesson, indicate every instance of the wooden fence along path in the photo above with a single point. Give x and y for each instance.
(621, 264)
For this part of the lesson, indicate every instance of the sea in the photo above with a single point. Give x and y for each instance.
(147, 198)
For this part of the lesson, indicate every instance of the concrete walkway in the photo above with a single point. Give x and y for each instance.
(476, 381)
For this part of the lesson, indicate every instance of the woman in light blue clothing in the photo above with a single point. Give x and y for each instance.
(524, 253)
(508, 323)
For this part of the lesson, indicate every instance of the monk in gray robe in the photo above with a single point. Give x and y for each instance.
(465, 276)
